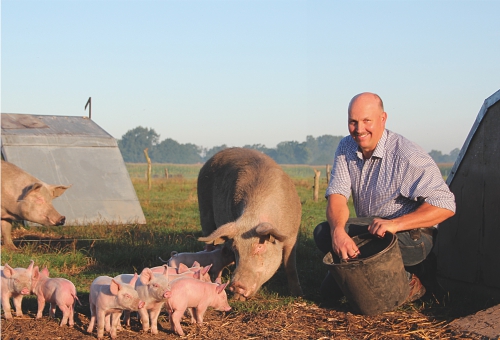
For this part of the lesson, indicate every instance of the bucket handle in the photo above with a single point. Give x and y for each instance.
(359, 245)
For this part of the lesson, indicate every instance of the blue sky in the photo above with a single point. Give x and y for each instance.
(252, 72)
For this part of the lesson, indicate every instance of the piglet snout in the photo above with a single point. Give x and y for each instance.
(25, 291)
(141, 304)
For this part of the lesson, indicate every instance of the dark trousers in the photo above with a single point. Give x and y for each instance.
(413, 251)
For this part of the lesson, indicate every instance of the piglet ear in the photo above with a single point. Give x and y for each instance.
(182, 268)
(8, 271)
(220, 288)
(146, 276)
(36, 273)
(30, 267)
(134, 280)
(45, 271)
(114, 287)
(206, 269)
(196, 264)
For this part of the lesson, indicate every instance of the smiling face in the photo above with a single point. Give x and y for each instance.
(366, 121)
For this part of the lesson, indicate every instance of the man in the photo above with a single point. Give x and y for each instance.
(392, 180)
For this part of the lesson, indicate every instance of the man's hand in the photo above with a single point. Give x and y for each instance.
(343, 245)
(379, 226)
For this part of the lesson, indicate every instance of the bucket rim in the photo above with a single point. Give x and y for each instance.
(354, 261)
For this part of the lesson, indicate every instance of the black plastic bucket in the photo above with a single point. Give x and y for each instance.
(376, 281)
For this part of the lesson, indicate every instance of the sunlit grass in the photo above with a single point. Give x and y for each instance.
(171, 211)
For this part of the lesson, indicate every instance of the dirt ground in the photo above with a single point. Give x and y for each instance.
(299, 321)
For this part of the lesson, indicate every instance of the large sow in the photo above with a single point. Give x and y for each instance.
(248, 201)
(25, 197)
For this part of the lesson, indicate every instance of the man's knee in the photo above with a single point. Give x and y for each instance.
(322, 237)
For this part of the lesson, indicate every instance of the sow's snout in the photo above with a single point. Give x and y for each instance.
(61, 221)
(240, 291)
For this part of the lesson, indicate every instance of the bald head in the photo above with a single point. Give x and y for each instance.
(367, 97)
(366, 120)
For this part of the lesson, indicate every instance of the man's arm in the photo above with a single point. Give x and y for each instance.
(425, 216)
(337, 214)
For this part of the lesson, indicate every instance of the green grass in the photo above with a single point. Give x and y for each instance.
(171, 211)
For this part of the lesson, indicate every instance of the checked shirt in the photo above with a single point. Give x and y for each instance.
(393, 182)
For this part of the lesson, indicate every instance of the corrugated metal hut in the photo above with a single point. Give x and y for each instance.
(74, 150)
(468, 243)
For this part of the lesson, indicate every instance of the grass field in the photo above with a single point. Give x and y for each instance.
(171, 211)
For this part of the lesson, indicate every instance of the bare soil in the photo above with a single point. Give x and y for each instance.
(298, 321)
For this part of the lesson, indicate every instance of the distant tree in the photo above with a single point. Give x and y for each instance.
(325, 149)
(438, 156)
(170, 151)
(292, 153)
(454, 154)
(259, 147)
(134, 142)
(210, 152)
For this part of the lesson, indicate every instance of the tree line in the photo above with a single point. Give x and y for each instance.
(313, 151)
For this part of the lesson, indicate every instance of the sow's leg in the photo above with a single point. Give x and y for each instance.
(289, 261)
(6, 235)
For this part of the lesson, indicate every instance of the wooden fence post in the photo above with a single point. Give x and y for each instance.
(327, 174)
(166, 173)
(317, 175)
(148, 174)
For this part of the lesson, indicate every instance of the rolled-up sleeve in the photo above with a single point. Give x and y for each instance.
(422, 180)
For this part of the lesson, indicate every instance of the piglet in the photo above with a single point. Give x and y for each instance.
(195, 271)
(16, 282)
(219, 258)
(154, 296)
(152, 288)
(191, 293)
(58, 292)
(108, 297)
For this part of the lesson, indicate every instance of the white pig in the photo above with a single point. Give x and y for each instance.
(25, 197)
(58, 292)
(108, 297)
(194, 271)
(191, 293)
(152, 289)
(16, 282)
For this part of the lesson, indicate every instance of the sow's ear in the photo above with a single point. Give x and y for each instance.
(221, 234)
(266, 228)
(29, 190)
(57, 190)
